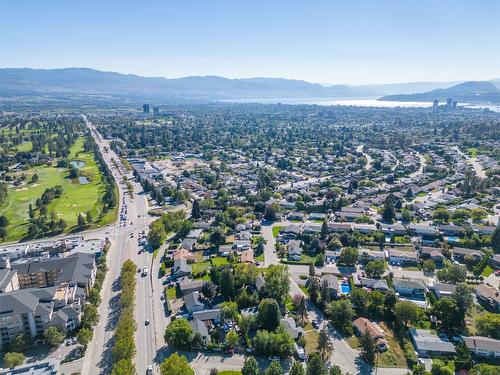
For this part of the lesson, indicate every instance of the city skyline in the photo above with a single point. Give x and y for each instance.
(327, 43)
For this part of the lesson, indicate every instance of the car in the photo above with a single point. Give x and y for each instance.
(149, 370)
(138, 270)
(74, 340)
(315, 324)
(162, 297)
(273, 358)
(68, 342)
(146, 323)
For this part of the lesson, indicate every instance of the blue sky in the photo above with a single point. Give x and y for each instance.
(371, 41)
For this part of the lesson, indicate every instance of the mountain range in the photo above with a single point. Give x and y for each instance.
(468, 92)
(84, 81)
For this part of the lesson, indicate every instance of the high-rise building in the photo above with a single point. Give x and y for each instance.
(145, 109)
(156, 111)
(435, 106)
(454, 105)
(448, 104)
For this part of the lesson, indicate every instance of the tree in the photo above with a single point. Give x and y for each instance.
(209, 290)
(4, 221)
(390, 300)
(179, 334)
(359, 300)
(3, 233)
(229, 311)
(489, 325)
(277, 282)
(348, 256)
(375, 269)
(312, 271)
(81, 223)
(297, 369)
(157, 234)
(453, 274)
(90, 316)
(440, 368)
(324, 230)
(335, 370)
(124, 366)
(313, 289)
(388, 212)
(441, 214)
(227, 288)
(53, 336)
(406, 312)
(368, 347)
(21, 343)
(324, 344)
(232, 339)
(13, 359)
(341, 314)
(195, 211)
(94, 297)
(429, 266)
(269, 314)
(274, 369)
(495, 240)
(214, 371)
(250, 367)
(315, 365)
(464, 300)
(84, 337)
(176, 365)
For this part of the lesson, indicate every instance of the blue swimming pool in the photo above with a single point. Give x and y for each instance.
(345, 288)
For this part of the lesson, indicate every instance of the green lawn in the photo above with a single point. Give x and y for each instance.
(219, 261)
(76, 198)
(24, 147)
(200, 266)
(487, 271)
(311, 341)
(229, 372)
(276, 231)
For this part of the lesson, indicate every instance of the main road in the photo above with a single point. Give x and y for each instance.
(124, 245)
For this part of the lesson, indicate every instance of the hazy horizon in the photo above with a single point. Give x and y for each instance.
(321, 42)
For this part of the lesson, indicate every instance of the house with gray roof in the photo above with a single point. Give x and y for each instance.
(192, 302)
(429, 344)
(483, 346)
(410, 287)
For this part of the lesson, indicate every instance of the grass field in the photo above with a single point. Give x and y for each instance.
(76, 198)
(219, 261)
(276, 231)
(24, 147)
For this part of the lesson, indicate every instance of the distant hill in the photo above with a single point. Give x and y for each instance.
(470, 92)
(26, 81)
(83, 81)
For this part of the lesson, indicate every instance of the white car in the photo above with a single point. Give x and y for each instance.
(149, 370)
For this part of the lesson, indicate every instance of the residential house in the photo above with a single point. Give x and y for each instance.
(483, 346)
(294, 250)
(290, 231)
(339, 227)
(495, 261)
(379, 285)
(443, 289)
(433, 253)
(247, 256)
(489, 296)
(460, 254)
(362, 325)
(365, 255)
(402, 258)
(332, 284)
(410, 287)
(49, 367)
(241, 245)
(225, 250)
(291, 327)
(181, 268)
(187, 286)
(429, 344)
(192, 302)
